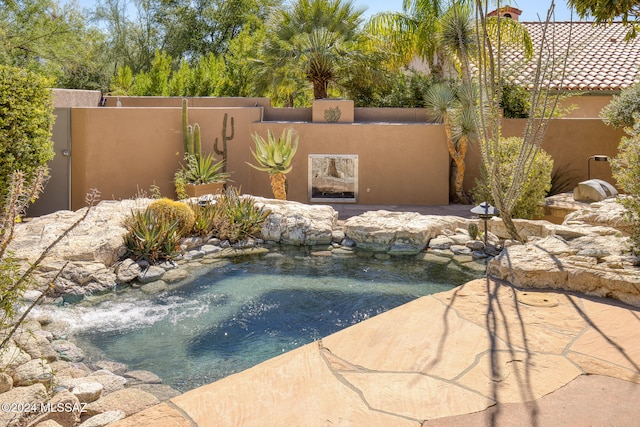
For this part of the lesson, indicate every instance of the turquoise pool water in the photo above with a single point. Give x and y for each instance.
(237, 315)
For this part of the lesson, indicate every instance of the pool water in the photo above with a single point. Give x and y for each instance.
(235, 316)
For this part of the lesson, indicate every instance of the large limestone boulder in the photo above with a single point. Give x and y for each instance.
(607, 213)
(384, 231)
(296, 223)
(34, 371)
(66, 413)
(127, 400)
(593, 264)
(34, 394)
(96, 239)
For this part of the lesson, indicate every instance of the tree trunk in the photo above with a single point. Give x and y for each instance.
(279, 186)
(320, 89)
(510, 226)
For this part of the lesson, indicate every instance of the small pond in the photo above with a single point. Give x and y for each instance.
(237, 313)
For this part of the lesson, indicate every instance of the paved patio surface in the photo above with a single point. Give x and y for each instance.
(482, 354)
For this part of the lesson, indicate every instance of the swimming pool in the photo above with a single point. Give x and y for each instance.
(238, 313)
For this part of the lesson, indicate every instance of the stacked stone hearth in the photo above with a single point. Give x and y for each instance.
(587, 254)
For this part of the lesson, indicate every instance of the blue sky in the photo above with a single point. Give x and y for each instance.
(530, 8)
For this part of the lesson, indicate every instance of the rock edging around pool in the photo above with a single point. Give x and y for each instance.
(583, 254)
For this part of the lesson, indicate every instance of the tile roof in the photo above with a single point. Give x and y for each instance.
(599, 59)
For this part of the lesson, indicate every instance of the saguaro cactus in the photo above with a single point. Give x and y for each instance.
(190, 134)
(225, 138)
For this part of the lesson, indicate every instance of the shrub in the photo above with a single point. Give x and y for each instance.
(529, 204)
(234, 217)
(26, 119)
(173, 211)
(151, 237)
(626, 171)
(515, 101)
(622, 108)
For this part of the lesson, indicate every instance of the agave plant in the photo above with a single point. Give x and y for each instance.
(204, 169)
(274, 156)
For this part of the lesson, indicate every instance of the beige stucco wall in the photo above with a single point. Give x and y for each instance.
(124, 150)
(586, 106)
(120, 151)
(397, 163)
(569, 141)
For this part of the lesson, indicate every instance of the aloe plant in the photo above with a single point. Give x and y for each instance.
(274, 156)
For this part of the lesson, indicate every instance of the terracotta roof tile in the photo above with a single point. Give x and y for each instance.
(599, 58)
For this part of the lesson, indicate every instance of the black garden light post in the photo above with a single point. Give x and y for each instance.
(485, 212)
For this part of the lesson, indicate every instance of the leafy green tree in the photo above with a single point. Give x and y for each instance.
(319, 41)
(52, 38)
(607, 11)
(240, 63)
(623, 108)
(26, 118)
(626, 170)
(624, 111)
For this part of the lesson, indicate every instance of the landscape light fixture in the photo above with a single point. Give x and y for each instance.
(596, 158)
(485, 212)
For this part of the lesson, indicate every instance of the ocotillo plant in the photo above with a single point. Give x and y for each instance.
(225, 139)
(190, 134)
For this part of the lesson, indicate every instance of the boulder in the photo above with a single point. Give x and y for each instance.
(34, 394)
(116, 368)
(99, 238)
(154, 287)
(87, 391)
(379, 230)
(296, 223)
(141, 377)
(65, 410)
(34, 371)
(608, 213)
(127, 270)
(11, 357)
(593, 190)
(127, 400)
(6, 382)
(109, 381)
(35, 344)
(578, 264)
(151, 274)
(103, 419)
(68, 351)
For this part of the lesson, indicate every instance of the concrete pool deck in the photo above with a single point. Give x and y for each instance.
(484, 353)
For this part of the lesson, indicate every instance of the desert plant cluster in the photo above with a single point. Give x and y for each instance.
(155, 233)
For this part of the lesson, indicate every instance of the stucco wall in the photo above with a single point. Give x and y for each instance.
(569, 141)
(120, 151)
(397, 164)
(123, 150)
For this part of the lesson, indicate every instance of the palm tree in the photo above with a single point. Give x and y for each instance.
(446, 39)
(314, 40)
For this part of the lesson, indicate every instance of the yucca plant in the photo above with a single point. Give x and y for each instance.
(274, 156)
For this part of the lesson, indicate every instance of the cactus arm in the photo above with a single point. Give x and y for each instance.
(197, 143)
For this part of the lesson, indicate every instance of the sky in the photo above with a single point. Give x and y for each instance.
(531, 9)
